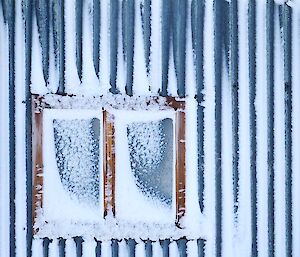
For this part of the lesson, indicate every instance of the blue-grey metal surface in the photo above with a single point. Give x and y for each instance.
(98, 249)
(234, 81)
(128, 14)
(59, 42)
(46, 243)
(114, 13)
(197, 23)
(114, 248)
(9, 7)
(27, 13)
(219, 25)
(201, 247)
(179, 43)
(146, 25)
(61, 247)
(181, 243)
(78, 242)
(165, 247)
(148, 248)
(96, 35)
(252, 122)
(166, 18)
(43, 22)
(79, 25)
(287, 42)
(131, 247)
(270, 104)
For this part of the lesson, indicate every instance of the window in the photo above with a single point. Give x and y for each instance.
(101, 155)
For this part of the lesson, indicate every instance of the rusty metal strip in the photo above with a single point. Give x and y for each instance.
(109, 164)
(180, 166)
(37, 157)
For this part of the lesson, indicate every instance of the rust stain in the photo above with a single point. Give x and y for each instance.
(109, 164)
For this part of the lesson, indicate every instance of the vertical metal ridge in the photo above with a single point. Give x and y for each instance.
(96, 35)
(79, 25)
(46, 243)
(43, 22)
(114, 17)
(78, 242)
(226, 40)
(270, 129)
(123, 21)
(218, 12)
(98, 249)
(59, 41)
(27, 5)
(234, 77)
(10, 14)
(146, 24)
(182, 248)
(287, 36)
(114, 248)
(197, 20)
(201, 247)
(53, 21)
(148, 248)
(253, 126)
(129, 16)
(131, 247)
(165, 44)
(179, 43)
(62, 247)
(3, 5)
(165, 247)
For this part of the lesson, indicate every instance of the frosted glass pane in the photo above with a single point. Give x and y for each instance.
(151, 157)
(77, 156)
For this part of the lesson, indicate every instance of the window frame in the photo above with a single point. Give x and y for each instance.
(109, 155)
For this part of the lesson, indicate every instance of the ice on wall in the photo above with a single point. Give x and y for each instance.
(77, 156)
(151, 157)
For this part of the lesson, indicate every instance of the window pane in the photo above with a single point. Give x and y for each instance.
(151, 157)
(77, 157)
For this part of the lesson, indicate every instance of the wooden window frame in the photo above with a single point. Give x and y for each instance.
(37, 158)
(180, 155)
(109, 156)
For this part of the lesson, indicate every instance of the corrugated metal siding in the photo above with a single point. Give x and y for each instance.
(199, 42)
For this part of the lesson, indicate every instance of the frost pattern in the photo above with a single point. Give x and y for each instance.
(151, 157)
(77, 156)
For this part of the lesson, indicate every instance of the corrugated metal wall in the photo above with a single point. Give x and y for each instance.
(240, 61)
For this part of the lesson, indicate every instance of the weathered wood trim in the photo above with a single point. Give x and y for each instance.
(180, 165)
(37, 158)
(174, 103)
(109, 164)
